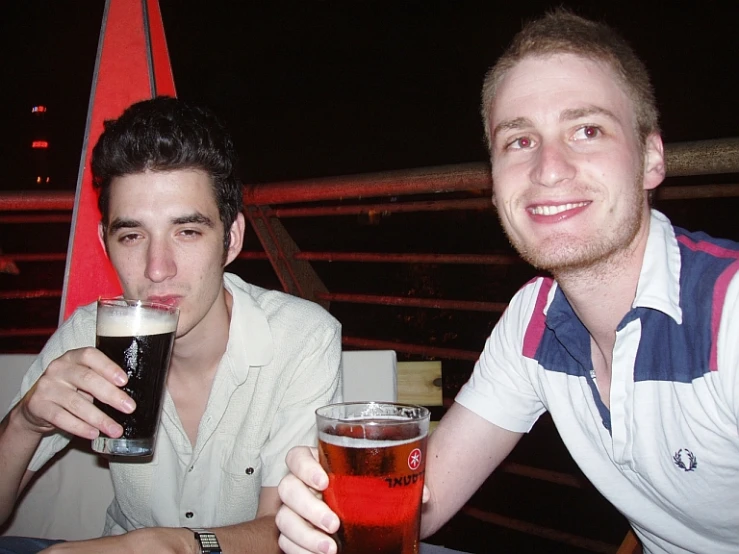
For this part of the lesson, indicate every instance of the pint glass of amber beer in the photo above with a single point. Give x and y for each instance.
(375, 457)
(138, 336)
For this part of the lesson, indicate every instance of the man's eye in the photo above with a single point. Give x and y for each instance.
(130, 237)
(190, 232)
(519, 143)
(587, 132)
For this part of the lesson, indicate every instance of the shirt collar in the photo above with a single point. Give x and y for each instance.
(250, 339)
(659, 280)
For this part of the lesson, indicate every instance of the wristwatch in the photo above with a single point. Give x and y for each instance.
(207, 541)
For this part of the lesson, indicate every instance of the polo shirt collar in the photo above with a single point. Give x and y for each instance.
(659, 280)
(250, 340)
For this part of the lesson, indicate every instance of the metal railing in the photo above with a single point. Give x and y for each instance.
(385, 191)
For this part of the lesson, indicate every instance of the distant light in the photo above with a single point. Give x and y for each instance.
(38, 179)
(38, 109)
(40, 144)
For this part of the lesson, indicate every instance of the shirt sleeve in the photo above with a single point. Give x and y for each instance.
(501, 388)
(315, 383)
(728, 347)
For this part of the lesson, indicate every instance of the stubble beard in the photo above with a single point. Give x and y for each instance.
(563, 253)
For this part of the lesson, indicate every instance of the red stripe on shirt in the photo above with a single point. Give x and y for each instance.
(719, 290)
(537, 323)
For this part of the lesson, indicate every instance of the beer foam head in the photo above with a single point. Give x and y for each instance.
(352, 442)
(375, 434)
(121, 321)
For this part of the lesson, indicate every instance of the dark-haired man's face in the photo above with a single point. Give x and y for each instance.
(165, 240)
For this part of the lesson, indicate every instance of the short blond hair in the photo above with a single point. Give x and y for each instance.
(563, 32)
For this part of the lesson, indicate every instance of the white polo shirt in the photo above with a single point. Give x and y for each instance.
(281, 363)
(666, 454)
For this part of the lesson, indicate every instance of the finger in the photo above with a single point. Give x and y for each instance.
(303, 463)
(66, 409)
(289, 547)
(67, 388)
(91, 371)
(86, 412)
(302, 501)
(47, 416)
(297, 536)
(89, 381)
(104, 366)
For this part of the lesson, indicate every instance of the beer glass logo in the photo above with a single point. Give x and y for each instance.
(414, 459)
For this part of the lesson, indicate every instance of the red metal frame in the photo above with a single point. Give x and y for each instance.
(132, 64)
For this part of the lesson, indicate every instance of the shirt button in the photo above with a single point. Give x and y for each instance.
(189, 515)
(249, 470)
(190, 468)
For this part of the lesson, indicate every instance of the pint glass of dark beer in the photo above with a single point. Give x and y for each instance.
(375, 457)
(138, 336)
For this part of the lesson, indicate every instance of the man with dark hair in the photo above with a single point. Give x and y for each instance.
(632, 346)
(166, 134)
(248, 369)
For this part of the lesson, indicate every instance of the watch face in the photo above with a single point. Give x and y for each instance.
(209, 541)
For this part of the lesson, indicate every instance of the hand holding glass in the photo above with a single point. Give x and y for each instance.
(375, 457)
(138, 336)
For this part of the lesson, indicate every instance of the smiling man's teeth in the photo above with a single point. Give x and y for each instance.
(554, 210)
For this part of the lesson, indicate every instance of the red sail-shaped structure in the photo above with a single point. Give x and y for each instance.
(132, 64)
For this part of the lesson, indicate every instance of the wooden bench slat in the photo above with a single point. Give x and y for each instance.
(420, 383)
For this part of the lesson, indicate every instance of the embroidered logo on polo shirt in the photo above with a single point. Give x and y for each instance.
(685, 459)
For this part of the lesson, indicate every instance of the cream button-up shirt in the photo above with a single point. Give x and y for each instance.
(281, 363)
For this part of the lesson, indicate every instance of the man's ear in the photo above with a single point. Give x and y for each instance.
(101, 238)
(237, 238)
(654, 161)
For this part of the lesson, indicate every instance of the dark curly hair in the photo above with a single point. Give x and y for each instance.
(165, 134)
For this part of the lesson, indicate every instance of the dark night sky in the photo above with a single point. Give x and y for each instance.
(328, 87)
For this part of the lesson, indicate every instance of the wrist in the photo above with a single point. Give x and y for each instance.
(205, 540)
(193, 546)
(19, 422)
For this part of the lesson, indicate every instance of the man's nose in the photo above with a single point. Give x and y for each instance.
(552, 165)
(160, 262)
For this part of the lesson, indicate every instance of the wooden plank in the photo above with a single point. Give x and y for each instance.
(420, 383)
